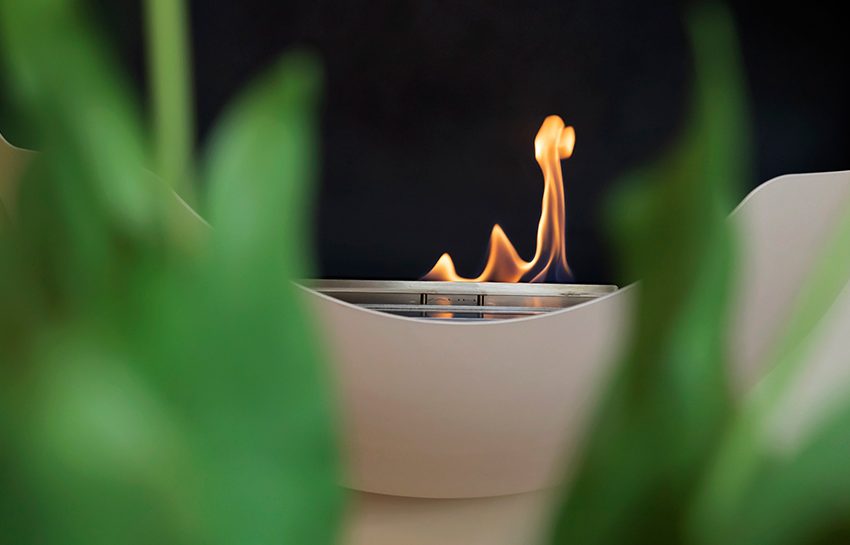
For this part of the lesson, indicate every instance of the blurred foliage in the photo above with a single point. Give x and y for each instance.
(158, 379)
(159, 382)
(669, 402)
(671, 457)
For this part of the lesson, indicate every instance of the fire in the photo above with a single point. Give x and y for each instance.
(554, 141)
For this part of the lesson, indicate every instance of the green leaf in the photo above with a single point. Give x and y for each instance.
(261, 159)
(203, 353)
(792, 499)
(242, 360)
(669, 401)
(743, 480)
(91, 455)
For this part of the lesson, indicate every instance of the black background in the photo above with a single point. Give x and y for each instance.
(431, 108)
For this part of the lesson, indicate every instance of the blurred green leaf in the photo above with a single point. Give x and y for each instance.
(669, 401)
(97, 456)
(261, 167)
(802, 497)
(258, 159)
(750, 481)
(154, 391)
(241, 360)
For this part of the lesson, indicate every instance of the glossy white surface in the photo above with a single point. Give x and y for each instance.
(783, 225)
(454, 410)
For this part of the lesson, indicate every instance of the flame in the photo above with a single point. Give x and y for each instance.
(554, 141)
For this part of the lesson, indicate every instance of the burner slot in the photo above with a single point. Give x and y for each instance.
(451, 299)
(459, 301)
(364, 298)
(542, 302)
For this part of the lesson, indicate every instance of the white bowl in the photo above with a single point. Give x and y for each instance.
(460, 410)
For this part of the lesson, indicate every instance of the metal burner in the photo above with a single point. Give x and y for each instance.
(459, 301)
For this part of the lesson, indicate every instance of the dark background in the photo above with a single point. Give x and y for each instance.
(431, 109)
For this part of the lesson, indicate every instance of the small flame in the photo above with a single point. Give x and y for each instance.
(553, 142)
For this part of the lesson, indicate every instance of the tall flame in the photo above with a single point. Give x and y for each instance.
(553, 142)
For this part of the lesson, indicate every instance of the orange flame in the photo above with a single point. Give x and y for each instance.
(553, 142)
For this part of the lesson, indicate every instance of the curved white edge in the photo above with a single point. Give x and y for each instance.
(5, 141)
(766, 186)
(782, 228)
(187, 208)
(443, 323)
(182, 204)
(505, 520)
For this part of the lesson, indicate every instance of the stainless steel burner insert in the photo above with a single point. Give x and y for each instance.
(458, 301)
